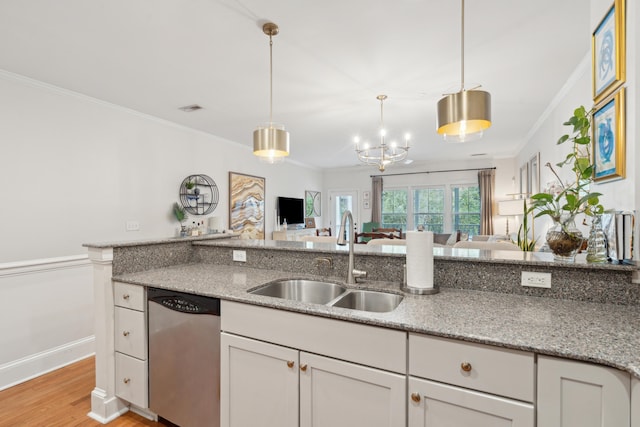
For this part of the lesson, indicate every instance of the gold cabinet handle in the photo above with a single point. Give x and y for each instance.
(303, 368)
(466, 366)
(290, 363)
(125, 296)
(126, 380)
(416, 397)
(125, 333)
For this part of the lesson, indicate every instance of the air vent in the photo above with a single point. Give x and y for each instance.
(478, 154)
(190, 108)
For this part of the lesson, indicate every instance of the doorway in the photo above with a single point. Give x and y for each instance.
(340, 201)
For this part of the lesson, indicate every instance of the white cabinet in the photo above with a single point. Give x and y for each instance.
(130, 343)
(293, 235)
(433, 404)
(458, 384)
(576, 394)
(334, 393)
(283, 381)
(259, 383)
(635, 402)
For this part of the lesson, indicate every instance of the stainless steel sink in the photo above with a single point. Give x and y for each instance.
(379, 302)
(331, 294)
(301, 290)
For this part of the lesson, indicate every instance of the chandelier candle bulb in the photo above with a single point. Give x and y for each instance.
(420, 262)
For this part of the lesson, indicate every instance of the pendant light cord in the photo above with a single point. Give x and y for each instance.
(462, 48)
(270, 79)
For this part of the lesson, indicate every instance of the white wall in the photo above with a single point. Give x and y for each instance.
(73, 170)
(618, 194)
(359, 179)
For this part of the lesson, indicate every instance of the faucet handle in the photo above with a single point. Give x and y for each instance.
(357, 274)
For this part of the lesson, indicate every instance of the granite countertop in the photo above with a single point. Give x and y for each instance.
(601, 333)
(160, 240)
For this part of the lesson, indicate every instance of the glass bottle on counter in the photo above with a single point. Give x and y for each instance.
(597, 243)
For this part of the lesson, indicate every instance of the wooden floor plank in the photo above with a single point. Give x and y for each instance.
(61, 398)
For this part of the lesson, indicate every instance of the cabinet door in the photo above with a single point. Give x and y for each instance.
(334, 393)
(130, 332)
(575, 394)
(131, 380)
(259, 383)
(438, 405)
(635, 403)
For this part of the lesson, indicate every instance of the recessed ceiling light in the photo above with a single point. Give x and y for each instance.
(190, 108)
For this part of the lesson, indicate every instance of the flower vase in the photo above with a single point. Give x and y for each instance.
(597, 243)
(564, 238)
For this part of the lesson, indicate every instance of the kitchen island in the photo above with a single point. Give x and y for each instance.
(590, 313)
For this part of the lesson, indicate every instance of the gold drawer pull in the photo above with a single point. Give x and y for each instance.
(125, 296)
(126, 380)
(415, 397)
(303, 368)
(466, 366)
(290, 363)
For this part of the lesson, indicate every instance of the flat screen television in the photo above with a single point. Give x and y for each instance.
(291, 209)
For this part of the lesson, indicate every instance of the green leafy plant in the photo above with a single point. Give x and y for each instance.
(570, 199)
(523, 242)
(179, 212)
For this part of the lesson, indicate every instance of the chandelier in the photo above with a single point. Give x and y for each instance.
(464, 115)
(383, 154)
(271, 141)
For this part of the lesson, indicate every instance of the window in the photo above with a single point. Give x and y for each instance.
(428, 209)
(394, 209)
(465, 209)
(441, 209)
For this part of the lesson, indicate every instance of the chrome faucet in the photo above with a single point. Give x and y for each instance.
(352, 273)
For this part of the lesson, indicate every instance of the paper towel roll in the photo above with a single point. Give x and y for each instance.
(215, 224)
(420, 259)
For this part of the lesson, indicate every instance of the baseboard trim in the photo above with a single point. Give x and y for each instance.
(26, 368)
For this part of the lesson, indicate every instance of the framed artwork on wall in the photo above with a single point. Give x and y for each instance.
(534, 174)
(312, 204)
(524, 179)
(246, 205)
(608, 138)
(608, 52)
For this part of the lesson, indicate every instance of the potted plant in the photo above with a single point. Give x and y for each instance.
(563, 201)
(525, 243)
(181, 215)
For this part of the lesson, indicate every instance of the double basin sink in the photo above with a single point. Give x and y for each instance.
(330, 294)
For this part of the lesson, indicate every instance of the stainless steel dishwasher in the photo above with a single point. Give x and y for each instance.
(184, 357)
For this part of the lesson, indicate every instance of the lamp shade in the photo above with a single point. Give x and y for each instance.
(270, 142)
(462, 116)
(511, 207)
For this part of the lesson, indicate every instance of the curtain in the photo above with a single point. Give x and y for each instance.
(376, 199)
(486, 184)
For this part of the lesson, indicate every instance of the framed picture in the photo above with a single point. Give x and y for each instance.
(310, 222)
(608, 52)
(366, 204)
(312, 204)
(366, 195)
(608, 138)
(534, 174)
(246, 205)
(524, 179)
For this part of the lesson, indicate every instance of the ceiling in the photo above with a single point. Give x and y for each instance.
(331, 59)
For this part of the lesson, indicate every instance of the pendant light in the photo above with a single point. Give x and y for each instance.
(271, 141)
(464, 115)
(383, 154)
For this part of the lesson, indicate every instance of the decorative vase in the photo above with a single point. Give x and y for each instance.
(564, 238)
(597, 243)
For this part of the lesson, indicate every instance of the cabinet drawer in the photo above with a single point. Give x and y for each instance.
(130, 332)
(131, 380)
(129, 296)
(480, 367)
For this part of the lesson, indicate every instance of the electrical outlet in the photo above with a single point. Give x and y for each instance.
(536, 280)
(132, 226)
(240, 256)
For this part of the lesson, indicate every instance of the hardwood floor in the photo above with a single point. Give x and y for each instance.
(61, 398)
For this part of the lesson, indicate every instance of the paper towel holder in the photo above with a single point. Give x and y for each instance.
(417, 291)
